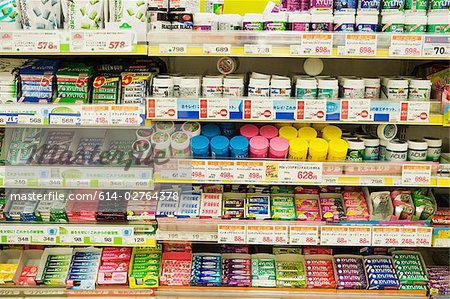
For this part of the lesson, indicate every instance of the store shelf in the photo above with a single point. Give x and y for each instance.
(290, 110)
(93, 234)
(295, 44)
(48, 292)
(65, 42)
(296, 173)
(58, 177)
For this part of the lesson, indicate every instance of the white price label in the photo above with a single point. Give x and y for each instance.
(260, 234)
(137, 184)
(102, 41)
(359, 45)
(172, 49)
(29, 119)
(78, 183)
(95, 115)
(231, 234)
(250, 171)
(18, 239)
(415, 112)
(220, 171)
(436, 46)
(355, 109)
(281, 235)
(372, 181)
(416, 174)
(258, 49)
(199, 170)
(318, 44)
(300, 172)
(30, 41)
(386, 236)
(72, 239)
(217, 49)
(162, 108)
(214, 108)
(137, 240)
(16, 182)
(126, 115)
(65, 119)
(334, 235)
(259, 109)
(43, 239)
(110, 183)
(424, 236)
(311, 110)
(102, 239)
(304, 235)
(405, 45)
(359, 235)
(51, 183)
(408, 236)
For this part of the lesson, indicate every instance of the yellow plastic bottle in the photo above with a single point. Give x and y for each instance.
(298, 149)
(307, 133)
(318, 150)
(331, 132)
(288, 132)
(337, 150)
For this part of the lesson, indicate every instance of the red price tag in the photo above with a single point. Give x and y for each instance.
(357, 44)
(318, 44)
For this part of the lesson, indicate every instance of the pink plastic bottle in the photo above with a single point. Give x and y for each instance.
(279, 148)
(249, 131)
(259, 147)
(268, 131)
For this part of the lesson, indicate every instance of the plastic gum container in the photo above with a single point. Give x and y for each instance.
(288, 132)
(337, 150)
(307, 133)
(279, 148)
(298, 149)
(259, 147)
(318, 150)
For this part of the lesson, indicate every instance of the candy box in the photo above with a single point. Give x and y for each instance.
(307, 207)
(10, 260)
(189, 205)
(320, 271)
(257, 206)
(28, 267)
(175, 269)
(240, 277)
(83, 269)
(46, 274)
(233, 205)
(84, 14)
(263, 270)
(410, 267)
(290, 270)
(211, 205)
(350, 278)
(380, 264)
(147, 278)
(379, 204)
(332, 207)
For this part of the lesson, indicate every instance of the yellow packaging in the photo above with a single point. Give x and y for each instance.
(319, 126)
(318, 150)
(301, 125)
(288, 132)
(307, 133)
(337, 150)
(298, 149)
(280, 125)
(331, 133)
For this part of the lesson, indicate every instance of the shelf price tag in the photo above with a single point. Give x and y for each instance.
(232, 234)
(95, 115)
(303, 235)
(139, 240)
(102, 41)
(50, 183)
(30, 41)
(260, 234)
(424, 236)
(359, 45)
(311, 110)
(162, 108)
(436, 46)
(214, 108)
(415, 112)
(386, 236)
(319, 44)
(281, 235)
(43, 239)
(355, 110)
(199, 170)
(359, 235)
(334, 235)
(217, 49)
(30, 119)
(249, 171)
(258, 49)
(126, 115)
(406, 45)
(220, 171)
(64, 119)
(408, 236)
(77, 183)
(256, 109)
(172, 49)
(416, 174)
(300, 172)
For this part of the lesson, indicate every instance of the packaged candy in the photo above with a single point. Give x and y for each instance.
(240, 277)
(425, 204)
(233, 205)
(114, 265)
(356, 206)
(145, 265)
(206, 270)
(381, 205)
(83, 269)
(332, 207)
(290, 271)
(175, 269)
(410, 267)
(257, 206)
(320, 272)
(403, 204)
(439, 280)
(378, 265)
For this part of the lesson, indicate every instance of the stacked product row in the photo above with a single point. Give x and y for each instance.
(331, 204)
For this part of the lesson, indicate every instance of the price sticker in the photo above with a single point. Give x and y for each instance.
(110, 183)
(137, 184)
(424, 236)
(102, 239)
(126, 115)
(220, 171)
(303, 235)
(64, 119)
(359, 236)
(162, 108)
(260, 234)
(403, 45)
(51, 183)
(408, 236)
(199, 170)
(416, 174)
(436, 46)
(172, 49)
(43, 239)
(217, 49)
(102, 41)
(30, 119)
(281, 235)
(334, 235)
(16, 182)
(355, 110)
(415, 112)
(311, 110)
(18, 239)
(78, 183)
(301, 173)
(214, 108)
(256, 109)
(232, 234)
(359, 45)
(250, 171)
(372, 181)
(95, 115)
(30, 41)
(258, 49)
(317, 44)
(386, 236)
(72, 240)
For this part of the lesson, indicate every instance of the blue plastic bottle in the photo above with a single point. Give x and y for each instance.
(220, 147)
(210, 131)
(239, 147)
(200, 147)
